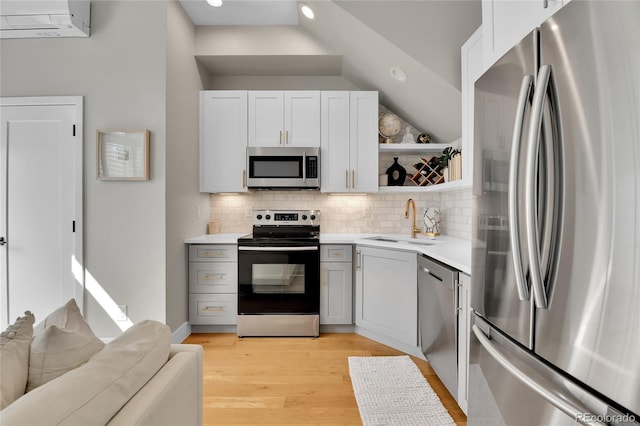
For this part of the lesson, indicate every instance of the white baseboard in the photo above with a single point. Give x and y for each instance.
(181, 333)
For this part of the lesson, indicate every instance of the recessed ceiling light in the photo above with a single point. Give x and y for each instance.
(398, 74)
(215, 3)
(307, 11)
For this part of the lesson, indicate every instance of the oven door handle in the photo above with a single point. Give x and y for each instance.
(305, 248)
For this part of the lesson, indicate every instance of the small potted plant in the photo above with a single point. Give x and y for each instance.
(443, 160)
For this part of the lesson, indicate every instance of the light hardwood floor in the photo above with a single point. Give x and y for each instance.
(301, 381)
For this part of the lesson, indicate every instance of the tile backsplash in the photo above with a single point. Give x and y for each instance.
(371, 213)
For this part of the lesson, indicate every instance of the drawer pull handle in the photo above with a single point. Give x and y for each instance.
(212, 254)
(214, 277)
(213, 309)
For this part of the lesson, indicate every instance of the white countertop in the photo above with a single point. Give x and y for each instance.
(455, 252)
(230, 238)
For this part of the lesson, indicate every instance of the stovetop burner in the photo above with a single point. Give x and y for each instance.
(282, 226)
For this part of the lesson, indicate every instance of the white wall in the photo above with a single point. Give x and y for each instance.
(184, 203)
(121, 72)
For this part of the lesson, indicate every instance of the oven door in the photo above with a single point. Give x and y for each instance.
(276, 279)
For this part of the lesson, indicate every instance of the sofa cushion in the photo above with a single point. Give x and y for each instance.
(61, 342)
(94, 392)
(56, 351)
(14, 359)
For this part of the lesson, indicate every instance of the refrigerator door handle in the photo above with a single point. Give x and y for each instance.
(572, 408)
(514, 171)
(545, 85)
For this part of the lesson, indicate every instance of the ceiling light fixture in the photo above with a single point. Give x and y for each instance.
(215, 3)
(398, 74)
(307, 11)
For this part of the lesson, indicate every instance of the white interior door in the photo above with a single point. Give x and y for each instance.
(41, 212)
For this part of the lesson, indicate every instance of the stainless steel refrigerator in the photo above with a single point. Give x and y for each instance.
(556, 247)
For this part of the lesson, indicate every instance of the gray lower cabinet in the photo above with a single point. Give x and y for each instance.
(336, 287)
(386, 290)
(213, 284)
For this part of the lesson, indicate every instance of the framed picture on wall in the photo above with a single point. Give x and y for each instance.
(122, 155)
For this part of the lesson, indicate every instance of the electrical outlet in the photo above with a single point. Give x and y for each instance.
(122, 315)
(248, 212)
(197, 211)
(366, 213)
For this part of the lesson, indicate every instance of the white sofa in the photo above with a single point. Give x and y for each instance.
(172, 397)
(139, 378)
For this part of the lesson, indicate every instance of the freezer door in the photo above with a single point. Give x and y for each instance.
(591, 328)
(499, 291)
(508, 386)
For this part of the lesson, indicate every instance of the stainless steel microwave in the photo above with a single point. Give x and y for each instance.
(283, 167)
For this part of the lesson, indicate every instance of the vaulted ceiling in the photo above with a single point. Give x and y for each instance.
(359, 40)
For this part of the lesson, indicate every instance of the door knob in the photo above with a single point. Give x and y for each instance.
(2, 241)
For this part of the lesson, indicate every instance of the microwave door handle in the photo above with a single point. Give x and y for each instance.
(304, 166)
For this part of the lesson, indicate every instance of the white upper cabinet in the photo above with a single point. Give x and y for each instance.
(349, 141)
(223, 141)
(289, 118)
(363, 146)
(506, 22)
(334, 144)
(472, 68)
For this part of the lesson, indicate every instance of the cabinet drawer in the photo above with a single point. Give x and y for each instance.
(213, 277)
(216, 309)
(335, 253)
(213, 253)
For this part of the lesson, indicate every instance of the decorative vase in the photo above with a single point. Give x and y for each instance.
(432, 222)
(397, 174)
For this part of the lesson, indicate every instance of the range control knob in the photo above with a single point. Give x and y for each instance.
(259, 217)
(268, 217)
(313, 217)
(304, 217)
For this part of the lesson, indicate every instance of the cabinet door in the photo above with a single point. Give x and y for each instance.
(335, 165)
(472, 68)
(505, 23)
(386, 293)
(302, 118)
(223, 141)
(213, 309)
(213, 277)
(363, 139)
(266, 118)
(336, 293)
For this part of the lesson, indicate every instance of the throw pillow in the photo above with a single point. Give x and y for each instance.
(62, 341)
(56, 351)
(67, 316)
(14, 359)
(94, 392)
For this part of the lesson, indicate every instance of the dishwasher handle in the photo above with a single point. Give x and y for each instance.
(424, 269)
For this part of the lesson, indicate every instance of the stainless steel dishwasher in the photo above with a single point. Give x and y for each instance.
(438, 309)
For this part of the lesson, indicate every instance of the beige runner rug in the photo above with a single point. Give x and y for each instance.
(391, 390)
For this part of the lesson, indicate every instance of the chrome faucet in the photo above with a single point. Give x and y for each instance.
(414, 228)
